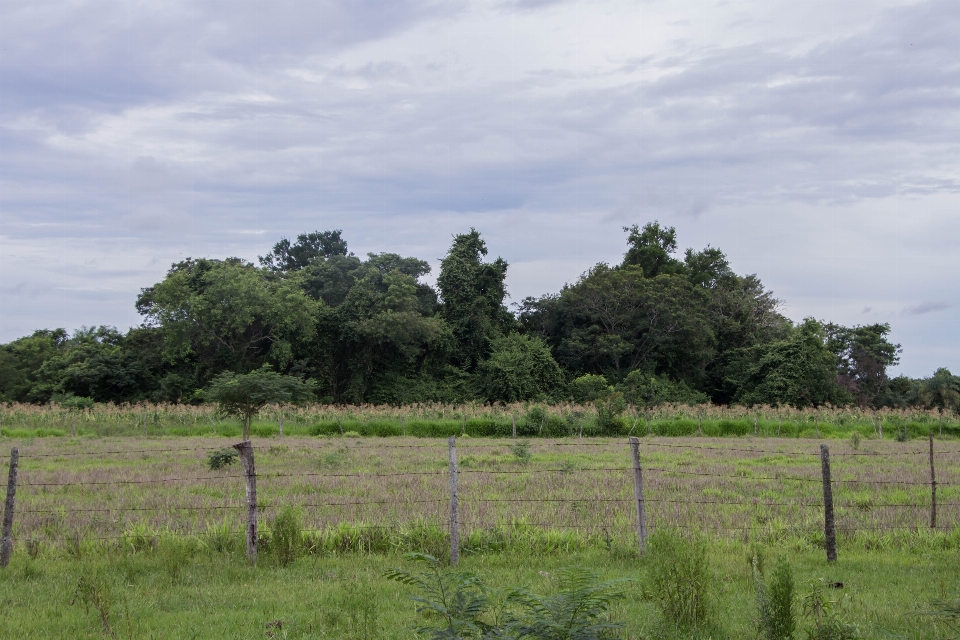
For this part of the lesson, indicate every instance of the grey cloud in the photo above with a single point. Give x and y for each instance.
(185, 120)
(928, 306)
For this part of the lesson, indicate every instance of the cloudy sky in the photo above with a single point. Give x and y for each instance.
(816, 143)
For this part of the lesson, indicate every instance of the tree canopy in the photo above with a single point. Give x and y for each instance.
(356, 329)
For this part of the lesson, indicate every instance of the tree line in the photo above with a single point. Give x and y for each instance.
(655, 328)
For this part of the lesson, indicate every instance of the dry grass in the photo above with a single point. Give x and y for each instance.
(745, 488)
(160, 419)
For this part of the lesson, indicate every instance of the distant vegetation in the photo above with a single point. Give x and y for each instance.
(651, 330)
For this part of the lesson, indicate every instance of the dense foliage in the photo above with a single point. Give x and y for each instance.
(655, 328)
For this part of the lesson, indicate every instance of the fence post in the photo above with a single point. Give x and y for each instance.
(638, 493)
(933, 488)
(830, 533)
(454, 505)
(880, 428)
(6, 545)
(250, 476)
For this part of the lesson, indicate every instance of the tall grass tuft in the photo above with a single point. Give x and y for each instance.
(286, 535)
(680, 580)
(775, 610)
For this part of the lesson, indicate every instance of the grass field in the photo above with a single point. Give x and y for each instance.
(143, 527)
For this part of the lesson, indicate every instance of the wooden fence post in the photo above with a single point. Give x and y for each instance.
(6, 545)
(250, 476)
(454, 505)
(638, 494)
(829, 531)
(933, 488)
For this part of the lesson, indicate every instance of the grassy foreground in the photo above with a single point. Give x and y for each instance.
(162, 593)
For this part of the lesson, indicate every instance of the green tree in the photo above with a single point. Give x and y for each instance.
(21, 361)
(863, 355)
(644, 389)
(651, 248)
(941, 391)
(519, 368)
(472, 293)
(799, 371)
(309, 247)
(244, 395)
(613, 321)
(228, 314)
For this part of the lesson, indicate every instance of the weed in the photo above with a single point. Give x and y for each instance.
(828, 623)
(222, 458)
(945, 612)
(680, 580)
(140, 537)
(33, 547)
(578, 611)
(855, 440)
(334, 459)
(286, 531)
(775, 602)
(465, 608)
(521, 451)
(903, 433)
(93, 591)
(457, 599)
(222, 537)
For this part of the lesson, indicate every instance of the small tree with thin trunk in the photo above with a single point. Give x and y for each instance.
(244, 395)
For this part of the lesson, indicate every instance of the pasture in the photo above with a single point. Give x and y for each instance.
(158, 534)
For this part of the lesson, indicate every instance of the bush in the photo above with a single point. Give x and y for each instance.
(521, 451)
(775, 611)
(609, 412)
(222, 458)
(679, 578)
(588, 388)
(286, 535)
(458, 605)
(645, 389)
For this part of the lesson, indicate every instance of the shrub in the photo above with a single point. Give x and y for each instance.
(222, 458)
(609, 411)
(679, 577)
(459, 605)
(286, 535)
(588, 388)
(775, 609)
(521, 451)
(828, 623)
(855, 440)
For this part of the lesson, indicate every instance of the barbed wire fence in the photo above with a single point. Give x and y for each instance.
(630, 497)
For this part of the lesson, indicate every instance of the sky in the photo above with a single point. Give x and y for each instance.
(817, 143)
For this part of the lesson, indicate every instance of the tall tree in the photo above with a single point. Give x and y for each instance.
(308, 248)
(863, 355)
(799, 371)
(228, 314)
(651, 248)
(941, 391)
(472, 294)
(614, 320)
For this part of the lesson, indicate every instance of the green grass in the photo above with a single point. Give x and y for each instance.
(162, 556)
(168, 591)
